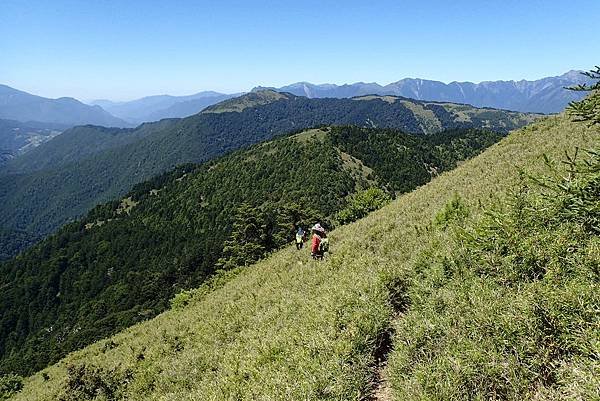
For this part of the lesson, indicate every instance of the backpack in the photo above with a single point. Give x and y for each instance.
(324, 245)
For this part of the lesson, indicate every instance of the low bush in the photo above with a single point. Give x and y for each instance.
(455, 211)
(93, 383)
(362, 203)
(10, 385)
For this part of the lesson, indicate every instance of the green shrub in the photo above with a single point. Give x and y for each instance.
(362, 203)
(9, 385)
(181, 299)
(454, 211)
(86, 382)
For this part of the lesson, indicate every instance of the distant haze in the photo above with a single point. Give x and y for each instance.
(546, 95)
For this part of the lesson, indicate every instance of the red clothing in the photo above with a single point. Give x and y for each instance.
(316, 240)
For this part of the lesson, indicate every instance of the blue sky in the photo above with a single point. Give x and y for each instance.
(127, 49)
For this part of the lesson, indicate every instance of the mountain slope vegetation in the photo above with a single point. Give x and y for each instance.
(67, 176)
(17, 138)
(127, 258)
(507, 307)
(290, 328)
(79, 144)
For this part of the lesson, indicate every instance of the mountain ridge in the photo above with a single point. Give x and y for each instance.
(25, 107)
(544, 95)
(157, 107)
(38, 200)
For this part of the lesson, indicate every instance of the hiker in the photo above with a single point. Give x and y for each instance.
(319, 242)
(299, 238)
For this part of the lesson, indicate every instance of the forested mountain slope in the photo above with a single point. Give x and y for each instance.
(127, 258)
(290, 328)
(78, 144)
(17, 137)
(77, 174)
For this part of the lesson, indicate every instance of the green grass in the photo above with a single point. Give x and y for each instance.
(362, 175)
(429, 122)
(507, 307)
(239, 104)
(389, 99)
(291, 328)
(316, 133)
(488, 117)
(426, 117)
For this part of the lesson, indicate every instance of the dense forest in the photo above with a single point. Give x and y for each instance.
(125, 260)
(13, 240)
(67, 176)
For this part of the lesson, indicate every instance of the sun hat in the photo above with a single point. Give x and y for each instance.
(317, 227)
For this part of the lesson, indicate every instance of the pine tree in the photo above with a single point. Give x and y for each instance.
(287, 218)
(246, 243)
(588, 109)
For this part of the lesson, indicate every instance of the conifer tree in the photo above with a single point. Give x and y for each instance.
(588, 109)
(246, 243)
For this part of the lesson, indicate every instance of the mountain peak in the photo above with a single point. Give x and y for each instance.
(24, 107)
(574, 75)
(263, 88)
(257, 97)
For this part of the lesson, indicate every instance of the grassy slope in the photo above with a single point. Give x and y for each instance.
(114, 269)
(289, 328)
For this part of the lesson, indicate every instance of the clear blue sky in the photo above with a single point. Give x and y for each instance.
(128, 49)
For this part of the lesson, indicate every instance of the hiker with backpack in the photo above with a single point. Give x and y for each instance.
(300, 238)
(320, 243)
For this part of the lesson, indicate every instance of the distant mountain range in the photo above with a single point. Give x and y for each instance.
(154, 108)
(22, 106)
(546, 95)
(68, 175)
